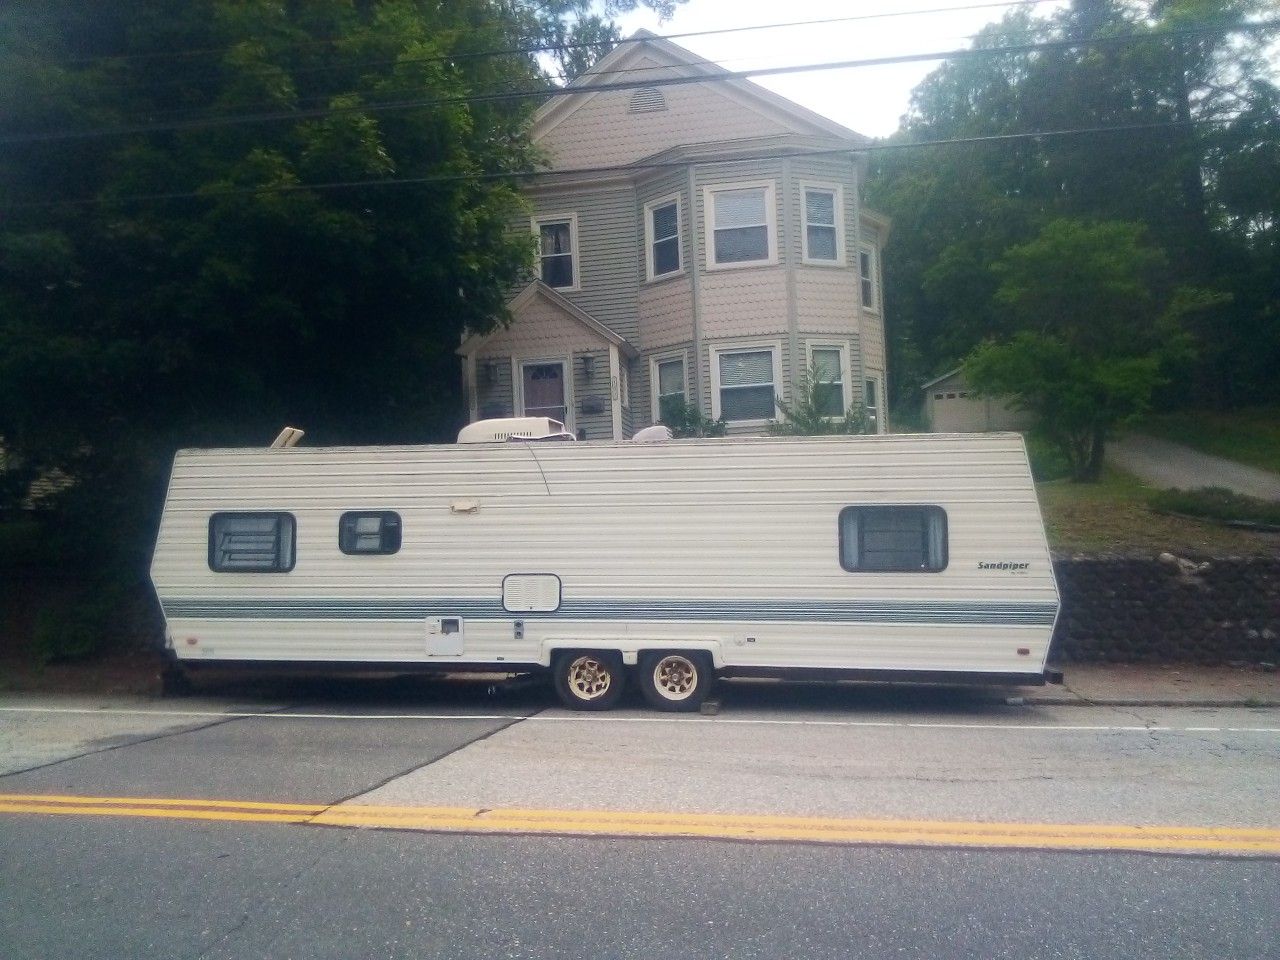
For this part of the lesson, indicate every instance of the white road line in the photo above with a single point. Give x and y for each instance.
(553, 718)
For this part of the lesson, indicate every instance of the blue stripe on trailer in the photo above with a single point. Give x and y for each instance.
(829, 611)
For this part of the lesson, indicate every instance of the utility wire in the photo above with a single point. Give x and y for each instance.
(728, 75)
(580, 44)
(632, 168)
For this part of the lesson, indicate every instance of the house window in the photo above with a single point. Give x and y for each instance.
(669, 389)
(746, 385)
(893, 539)
(251, 542)
(662, 236)
(827, 364)
(557, 249)
(871, 400)
(370, 532)
(740, 225)
(867, 273)
(823, 233)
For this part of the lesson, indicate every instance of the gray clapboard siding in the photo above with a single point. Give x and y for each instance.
(494, 398)
(587, 393)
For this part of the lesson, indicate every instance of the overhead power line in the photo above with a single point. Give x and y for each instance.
(728, 75)
(631, 168)
(578, 44)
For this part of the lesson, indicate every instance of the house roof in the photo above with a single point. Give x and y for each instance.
(537, 288)
(936, 380)
(685, 63)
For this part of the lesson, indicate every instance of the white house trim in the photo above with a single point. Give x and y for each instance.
(874, 255)
(536, 223)
(716, 351)
(649, 207)
(655, 387)
(770, 224)
(837, 199)
(846, 369)
(565, 362)
(615, 400)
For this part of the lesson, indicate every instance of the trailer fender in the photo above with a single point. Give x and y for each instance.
(630, 648)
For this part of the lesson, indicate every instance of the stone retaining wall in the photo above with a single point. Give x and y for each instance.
(1133, 610)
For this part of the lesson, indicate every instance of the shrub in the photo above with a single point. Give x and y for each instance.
(1215, 503)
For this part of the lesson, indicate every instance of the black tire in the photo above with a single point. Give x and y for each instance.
(675, 680)
(589, 679)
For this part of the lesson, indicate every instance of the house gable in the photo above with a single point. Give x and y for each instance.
(545, 324)
(607, 127)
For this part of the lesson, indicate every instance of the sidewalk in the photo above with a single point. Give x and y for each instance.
(1160, 685)
(1170, 465)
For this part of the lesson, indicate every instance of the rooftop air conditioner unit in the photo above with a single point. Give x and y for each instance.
(514, 428)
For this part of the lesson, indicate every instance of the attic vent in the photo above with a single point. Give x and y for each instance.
(647, 100)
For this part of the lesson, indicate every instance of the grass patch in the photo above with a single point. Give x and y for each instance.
(1249, 436)
(1215, 503)
(1119, 515)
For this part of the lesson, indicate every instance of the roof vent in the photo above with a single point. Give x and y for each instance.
(514, 428)
(647, 100)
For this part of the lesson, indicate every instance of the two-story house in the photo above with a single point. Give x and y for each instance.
(701, 240)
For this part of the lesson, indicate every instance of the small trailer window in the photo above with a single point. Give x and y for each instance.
(369, 532)
(251, 542)
(893, 539)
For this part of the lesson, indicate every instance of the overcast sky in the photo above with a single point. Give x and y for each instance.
(869, 99)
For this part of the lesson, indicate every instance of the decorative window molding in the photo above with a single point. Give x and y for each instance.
(822, 224)
(669, 382)
(740, 225)
(832, 362)
(565, 409)
(558, 264)
(868, 283)
(745, 382)
(663, 238)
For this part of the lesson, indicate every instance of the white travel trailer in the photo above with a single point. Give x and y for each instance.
(659, 564)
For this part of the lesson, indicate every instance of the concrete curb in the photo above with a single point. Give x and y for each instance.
(1248, 703)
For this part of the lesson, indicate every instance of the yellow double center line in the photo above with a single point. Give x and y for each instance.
(1065, 836)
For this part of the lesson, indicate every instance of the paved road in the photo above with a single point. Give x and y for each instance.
(174, 884)
(1171, 465)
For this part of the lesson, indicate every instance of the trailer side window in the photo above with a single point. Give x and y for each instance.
(369, 532)
(893, 539)
(251, 542)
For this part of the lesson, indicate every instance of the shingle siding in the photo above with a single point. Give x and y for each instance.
(606, 243)
(602, 132)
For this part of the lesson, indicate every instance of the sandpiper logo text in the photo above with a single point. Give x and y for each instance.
(1002, 565)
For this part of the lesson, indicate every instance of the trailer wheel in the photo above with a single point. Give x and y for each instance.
(589, 679)
(675, 681)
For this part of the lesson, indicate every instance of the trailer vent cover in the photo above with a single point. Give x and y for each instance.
(531, 593)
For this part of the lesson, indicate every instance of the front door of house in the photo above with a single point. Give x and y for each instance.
(544, 394)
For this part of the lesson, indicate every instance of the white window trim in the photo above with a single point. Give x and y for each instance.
(566, 372)
(709, 223)
(772, 345)
(846, 370)
(878, 379)
(655, 408)
(650, 276)
(837, 193)
(874, 306)
(536, 224)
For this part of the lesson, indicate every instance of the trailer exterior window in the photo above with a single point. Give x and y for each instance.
(895, 539)
(369, 532)
(252, 542)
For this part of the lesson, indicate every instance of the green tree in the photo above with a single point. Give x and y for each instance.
(816, 409)
(1098, 320)
(1196, 180)
(287, 250)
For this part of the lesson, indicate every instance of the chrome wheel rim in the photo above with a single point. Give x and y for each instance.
(675, 677)
(589, 678)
